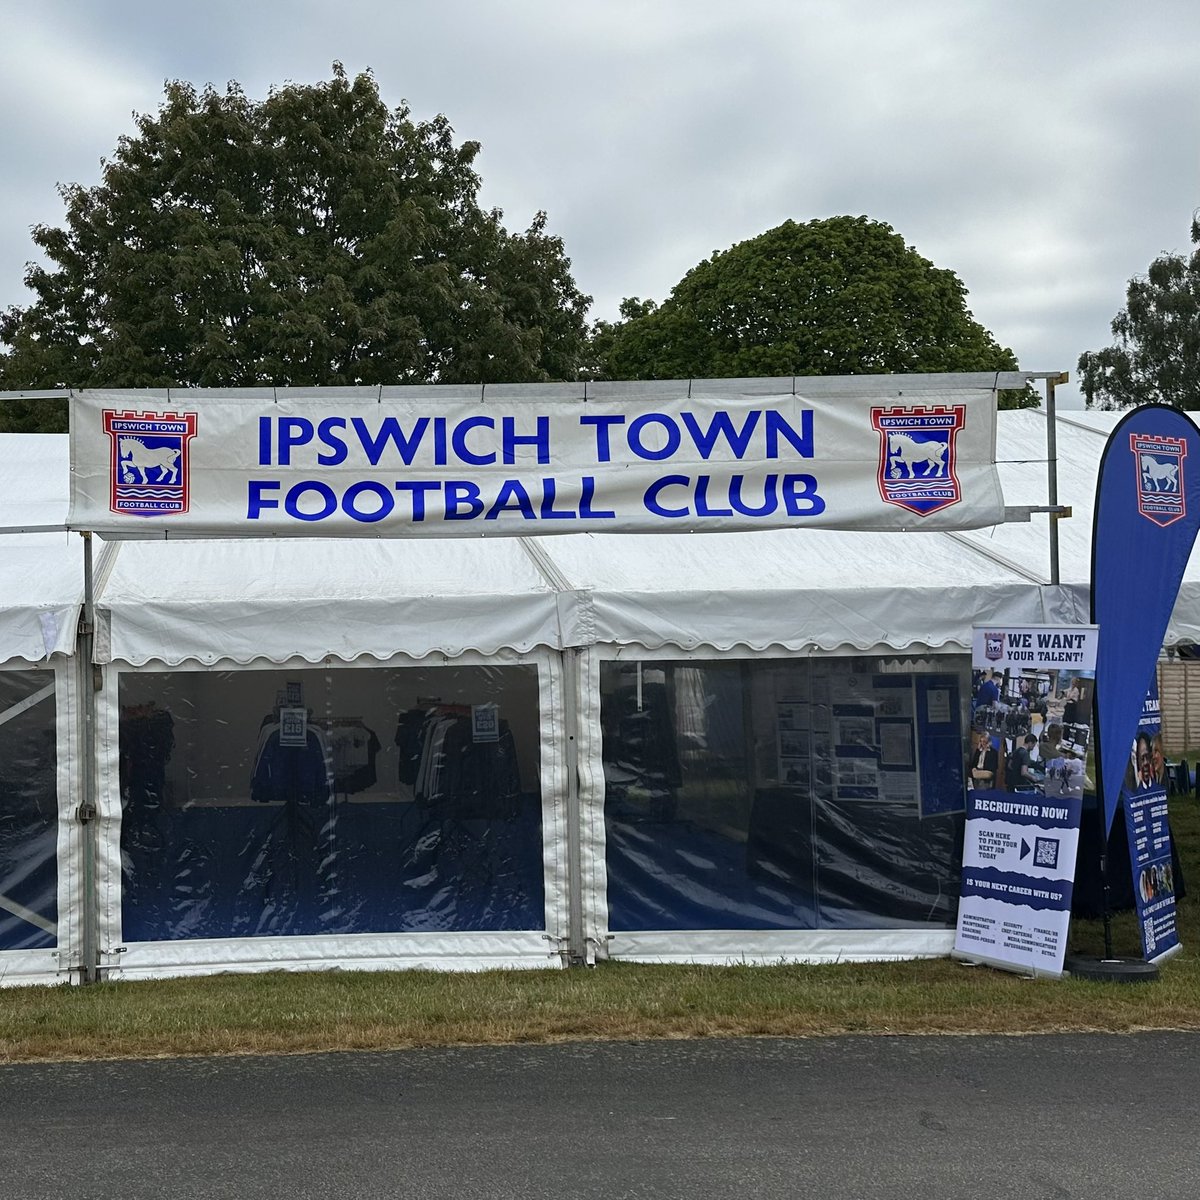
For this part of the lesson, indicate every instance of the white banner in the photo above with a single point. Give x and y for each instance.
(1029, 648)
(339, 467)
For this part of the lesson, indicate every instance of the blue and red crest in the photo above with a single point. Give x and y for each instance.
(993, 646)
(916, 456)
(148, 462)
(1159, 465)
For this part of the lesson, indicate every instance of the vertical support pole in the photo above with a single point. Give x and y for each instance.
(576, 941)
(1052, 469)
(87, 811)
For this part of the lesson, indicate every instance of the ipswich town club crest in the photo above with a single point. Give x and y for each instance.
(148, 462)
(993, 646)
(916, 456)
(1159, 465)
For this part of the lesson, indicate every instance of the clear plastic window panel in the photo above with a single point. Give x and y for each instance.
(28, 811)
(809, 794)
(344, 801)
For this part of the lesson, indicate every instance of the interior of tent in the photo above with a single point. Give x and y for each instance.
(507, 751)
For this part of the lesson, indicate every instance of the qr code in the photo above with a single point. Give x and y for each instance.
(1045, 853)
(1148, 937)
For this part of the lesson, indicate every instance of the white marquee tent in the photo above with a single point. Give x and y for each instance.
(674, 644)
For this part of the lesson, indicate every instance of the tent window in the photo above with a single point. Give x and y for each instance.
(809, 794)
(330, 801)
(28, 811)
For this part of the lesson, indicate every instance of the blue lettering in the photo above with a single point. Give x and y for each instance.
(293, 431)
(291, 503)
(702, 508)
(258, 502)
(669, 427)
(368, 486)
(547, 510)
(337, 447)
(462, 493)
(510, 440)
(770, 498)
(264, 441)
(587, 495)
(720, 426)
(390, 430)
(511, 497)
(419, 491)
(801, 442)
(652, 494)
(800, 497)
(602, 424)
(459, 441)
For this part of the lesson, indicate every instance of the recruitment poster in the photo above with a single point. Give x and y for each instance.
(1026, 772)
(1144, 798)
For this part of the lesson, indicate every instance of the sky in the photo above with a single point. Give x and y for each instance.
(1044, 152)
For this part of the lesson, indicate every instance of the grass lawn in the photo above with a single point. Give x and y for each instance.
(277, 1012)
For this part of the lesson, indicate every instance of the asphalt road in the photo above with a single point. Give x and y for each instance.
(1082, 1115)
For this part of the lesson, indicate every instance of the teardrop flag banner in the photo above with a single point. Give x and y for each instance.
(1146, 520)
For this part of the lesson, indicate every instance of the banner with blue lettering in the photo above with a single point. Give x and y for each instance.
(430, 466)
(1026, 773)
(1147, 517)
(1144, 798)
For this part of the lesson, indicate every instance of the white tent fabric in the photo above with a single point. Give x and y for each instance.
(287, 601)
(798, 590)
(41, 574)
(314, 599)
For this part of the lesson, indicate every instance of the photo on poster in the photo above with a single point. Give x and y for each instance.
(1147, 762)
(1037, 721)
(792, 715)
(896, 744)
(793, 744)
(857, 778)
(856, 731)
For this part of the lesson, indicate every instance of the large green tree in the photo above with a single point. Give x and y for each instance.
(315, 237)
(1156, 355)
(842, 296)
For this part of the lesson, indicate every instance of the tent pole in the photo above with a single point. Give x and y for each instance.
(576, 944)
(1052, 469)
(87, 811)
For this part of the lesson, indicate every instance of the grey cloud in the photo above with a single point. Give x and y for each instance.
(1043, 152)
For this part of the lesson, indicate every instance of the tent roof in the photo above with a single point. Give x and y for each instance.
(41, 574)
(795, 589)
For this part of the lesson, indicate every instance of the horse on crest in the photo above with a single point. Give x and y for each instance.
(135, 455)
(905, 451)
(1159, 476)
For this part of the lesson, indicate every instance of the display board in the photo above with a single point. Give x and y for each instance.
(1026, 774)
(1144, 799)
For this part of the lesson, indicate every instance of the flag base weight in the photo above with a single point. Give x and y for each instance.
(1110, 970)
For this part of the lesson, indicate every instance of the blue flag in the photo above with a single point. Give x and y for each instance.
(1147, 517)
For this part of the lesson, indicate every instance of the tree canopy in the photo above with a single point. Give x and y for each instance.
(1156, 355)
(313, 238)
(841, 296)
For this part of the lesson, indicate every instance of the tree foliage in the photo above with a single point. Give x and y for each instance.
(313, 238)
(1156, 355)
(842, 296)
